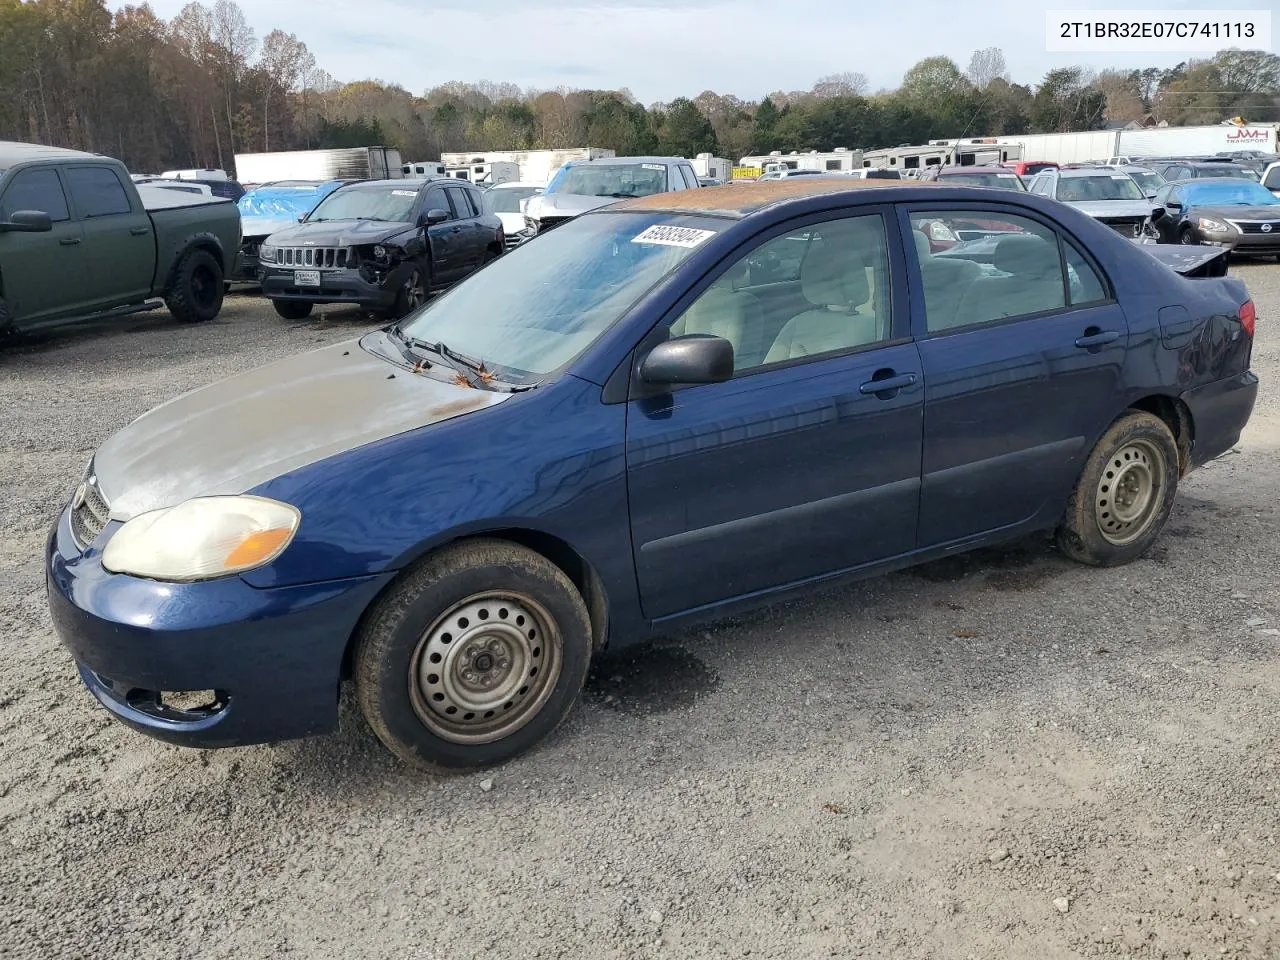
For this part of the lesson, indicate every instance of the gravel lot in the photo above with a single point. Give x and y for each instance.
(1000, 755)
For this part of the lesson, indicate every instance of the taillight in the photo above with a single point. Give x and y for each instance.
(1248, 315)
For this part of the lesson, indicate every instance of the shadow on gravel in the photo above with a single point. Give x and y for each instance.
(649, 680)
(1019, 567)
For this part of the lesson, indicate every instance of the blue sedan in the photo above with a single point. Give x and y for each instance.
(660, 411)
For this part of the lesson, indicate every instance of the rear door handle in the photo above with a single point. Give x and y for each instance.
(888, 383)
(69, 241)
(1097, 338)
(139, 231)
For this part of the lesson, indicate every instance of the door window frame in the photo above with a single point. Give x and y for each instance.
(919, 319)
(899, 313)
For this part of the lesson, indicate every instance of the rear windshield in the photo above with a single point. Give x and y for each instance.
(611, 180)
(1148, 180)
(1110, 186)
(389, 203)
(1229, 170)
(1031, 169)
(500, 200)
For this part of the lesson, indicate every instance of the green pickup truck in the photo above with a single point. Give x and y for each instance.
(78, 240)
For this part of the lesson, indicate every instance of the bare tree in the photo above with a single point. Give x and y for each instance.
(234, 43)
(282, 61)
(986, 65)
(847, 84)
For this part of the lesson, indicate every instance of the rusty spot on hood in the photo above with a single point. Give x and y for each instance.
(458, 407)
(738, 200)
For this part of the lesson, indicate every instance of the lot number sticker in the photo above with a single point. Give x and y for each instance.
(404, 193)
(673, 236)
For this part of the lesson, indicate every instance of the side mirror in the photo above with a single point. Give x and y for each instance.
(1173, 204)
(432, 217)
(696, 358)
(28, 221)
(1157, 213)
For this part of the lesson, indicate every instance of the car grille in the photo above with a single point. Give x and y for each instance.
(90, 515)
(514, 240)
(1125, 226)
(1255, 226)
(315, 257)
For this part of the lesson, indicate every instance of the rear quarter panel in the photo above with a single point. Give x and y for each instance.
(215, 225)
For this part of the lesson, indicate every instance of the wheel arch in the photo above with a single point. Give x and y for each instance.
(201, 241)
(1177, 417)
(555, 549)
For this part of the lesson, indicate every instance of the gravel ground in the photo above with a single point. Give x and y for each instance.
(1000, 755)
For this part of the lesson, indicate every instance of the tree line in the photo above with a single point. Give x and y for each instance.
(194, 90)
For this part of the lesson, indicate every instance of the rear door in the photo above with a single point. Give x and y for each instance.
(118, 234)
(1022, 365)
(43, 275)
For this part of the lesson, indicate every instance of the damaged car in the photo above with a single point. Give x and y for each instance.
(383, 245)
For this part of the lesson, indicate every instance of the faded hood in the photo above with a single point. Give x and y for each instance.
(255, 227)
(233, 435)
(1105, 209)
(339, 233)
(564, 205)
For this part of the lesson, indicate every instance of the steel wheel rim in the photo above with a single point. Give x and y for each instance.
(485, 667)
(415, 295)
(1129, 492)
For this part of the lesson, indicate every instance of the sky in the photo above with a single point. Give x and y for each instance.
(662, 49)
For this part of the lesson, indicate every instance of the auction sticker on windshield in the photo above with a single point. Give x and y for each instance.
(404, 193)
(672, 236)
(652, 166)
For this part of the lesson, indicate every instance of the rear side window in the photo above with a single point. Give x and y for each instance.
(1083, 282)
(36, 190)
(460, 203)
(1272, 182)
(97, 192)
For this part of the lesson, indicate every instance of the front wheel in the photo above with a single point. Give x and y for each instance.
(473, 657)
(413, 294)
(1124, 494)
(1188, 237)
(293, 309)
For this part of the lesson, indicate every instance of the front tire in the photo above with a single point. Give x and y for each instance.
(414, 293)
(293, 309)
(1124, 494)
(1187, 237)
(473, 657)
(197, 292)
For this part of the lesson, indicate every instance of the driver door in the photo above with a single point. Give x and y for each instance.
(43, 275)
(445, 239)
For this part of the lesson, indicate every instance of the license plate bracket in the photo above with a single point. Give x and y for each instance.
(306, 278)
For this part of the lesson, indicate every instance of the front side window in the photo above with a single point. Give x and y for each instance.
(39, 190)
(817, 290)
(1013, 270)
(97, 192)
(539, 306)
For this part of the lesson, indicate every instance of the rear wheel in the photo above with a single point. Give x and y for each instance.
(293, 309)
(1124, 494)
(473, 657)
(197, 291)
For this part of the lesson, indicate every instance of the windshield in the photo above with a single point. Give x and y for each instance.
(1111, 186)
(1002, 181)
(1225, 194)
(542, 304)
(367, 203)
(1237, 173)
(611, 180)
(1147, 180)
(282, 203)
(507, 200)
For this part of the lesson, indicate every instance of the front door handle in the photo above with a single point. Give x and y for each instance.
(69, 241)
(139, 231)
(1093, 337)
(457, 229)
(889, 384)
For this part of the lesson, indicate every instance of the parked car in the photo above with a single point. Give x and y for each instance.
(874, 173)
(270, 208)
(709, 182)
(78, 240)
(582, 185)
(784, 173)
(662, 411)
(1148, 181)
(381, 244)
(182, 186)
(1192, 169)
(507, 201)
(1271, 178)
(979, 176)
(1109, 196)
(1226, 212)
(219, 184)
(1029, 168)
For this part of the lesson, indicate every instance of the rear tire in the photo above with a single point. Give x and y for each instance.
(197, 292)
(293, 309)
(1124, 495)
(474, 656)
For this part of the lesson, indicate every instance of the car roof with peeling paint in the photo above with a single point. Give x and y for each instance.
(740, 200)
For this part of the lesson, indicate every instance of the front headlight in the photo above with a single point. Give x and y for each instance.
(267, 254)
(380, 253)
(531, 225)
(1213, 226)
(202, 538)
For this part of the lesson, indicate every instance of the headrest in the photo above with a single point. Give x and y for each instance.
(1026, 255)
(922, 243)
(832, 274)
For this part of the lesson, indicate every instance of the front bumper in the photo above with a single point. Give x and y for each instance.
(245, 268)
(1259, 243)
(337, 285)
(273, 658)
(1219, 412)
